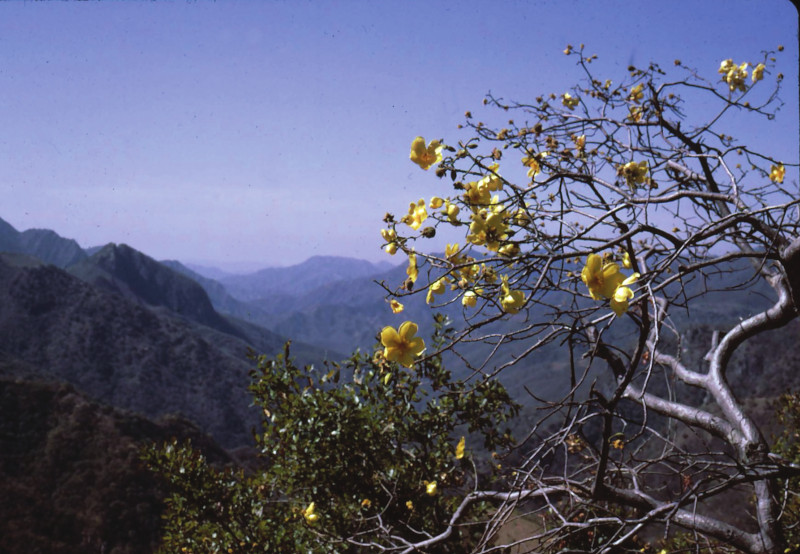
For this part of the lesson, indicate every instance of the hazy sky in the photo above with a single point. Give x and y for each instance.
(267, 132)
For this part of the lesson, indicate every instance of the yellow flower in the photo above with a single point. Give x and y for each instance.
(401, 345)
(601, 279)
(430, 488)
(396, 306)
(636, 94)
(580, 143)
(437, 287)
(626, 260)
(412, 270)
(477, 194)
(510, 300)
(622, 295)
(726, 66)
(310, 514)
(487, 229)
(634, 173)
(450, 250)
(534, 163)
(409, 505)
(436, 203)
(635, 113)
(522, 217)
(416, 214)
(452, 211)
(390, 236)
(460, 448)
(734, 75)
(470, 298)
(619, 444)
(777, 173)
(424, 156)
(366, 503)
(569, 101)
(509, 250)
(758, 72)
(492, 181)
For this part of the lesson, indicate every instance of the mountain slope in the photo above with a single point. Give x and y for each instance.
(122, 352)
(43, 244)
(9, 238)
(125, 271)
(51, 248)
(70, 477)
(219, 297)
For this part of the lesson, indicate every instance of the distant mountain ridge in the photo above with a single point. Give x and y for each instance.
(134, 275)
(123, 353)
(129, 331)
(43, 244)
(219, 297)
(333, 302)
(297, 279)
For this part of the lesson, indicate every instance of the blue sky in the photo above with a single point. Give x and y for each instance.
(268, 132)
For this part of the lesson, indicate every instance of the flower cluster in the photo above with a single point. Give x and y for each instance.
(604, 281)
(390, 236)
(488, 228)
(636, 94)
(416, 214)
(479, 193)
(735, 75)
(569, 101)
(634, 173)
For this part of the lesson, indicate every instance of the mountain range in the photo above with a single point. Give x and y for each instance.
(157, 337)
(106, 349)
(103, 351)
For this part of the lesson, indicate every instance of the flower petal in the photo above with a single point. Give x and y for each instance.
(407, 330)
(416, 346)
(389, 337)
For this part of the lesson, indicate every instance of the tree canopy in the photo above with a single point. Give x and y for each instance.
(595, 221)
